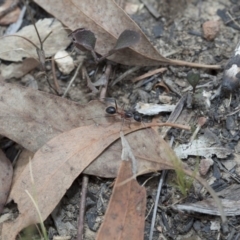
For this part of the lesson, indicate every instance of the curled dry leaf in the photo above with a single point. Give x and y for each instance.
(6, 172)
(107, 21)
(56, 165)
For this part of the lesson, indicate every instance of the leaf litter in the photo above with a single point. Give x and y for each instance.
(55, 132)
(66, 156)
(28, 97)
(15, 48)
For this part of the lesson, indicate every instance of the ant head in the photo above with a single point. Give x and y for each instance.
(111, 110)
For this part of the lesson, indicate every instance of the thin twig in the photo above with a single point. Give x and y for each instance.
(89, 82)
(82, 207)
(164, 172)
(72, 80)
(33, 22)
(107, 75)
(161, 180)
(55, 81)
(121, 77)
(149, 74)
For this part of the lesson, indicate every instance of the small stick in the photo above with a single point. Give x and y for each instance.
(149, 74)
(82, 207)
(89, 82)
(107, 75)
(161, 180)
(55, 81)
(122, 76)
(72, 80)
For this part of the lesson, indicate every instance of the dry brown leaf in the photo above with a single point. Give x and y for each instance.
(55, 166)
(11, 16)
(6, 172)
(21, 163)
(104, 165)
(107, 21)
(125, 215)
(31, 118)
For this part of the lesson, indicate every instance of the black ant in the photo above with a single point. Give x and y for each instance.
(128, 115)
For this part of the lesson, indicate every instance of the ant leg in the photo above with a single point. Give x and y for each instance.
(129, 120)
(129, 123)
(122, 124)
(116, 105)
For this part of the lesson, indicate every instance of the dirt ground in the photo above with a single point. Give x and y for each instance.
(177, 33)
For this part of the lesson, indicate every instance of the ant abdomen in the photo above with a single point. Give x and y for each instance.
(111, 110)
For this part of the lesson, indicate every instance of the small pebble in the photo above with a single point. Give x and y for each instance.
(204, 166)
(210, 30)
(230, 123)
(215, 226)
(165, 99)
(64, 62)
(158, 30)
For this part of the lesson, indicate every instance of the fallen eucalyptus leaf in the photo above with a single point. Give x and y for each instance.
(126, 208)
(31, 118)
(107, 21)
